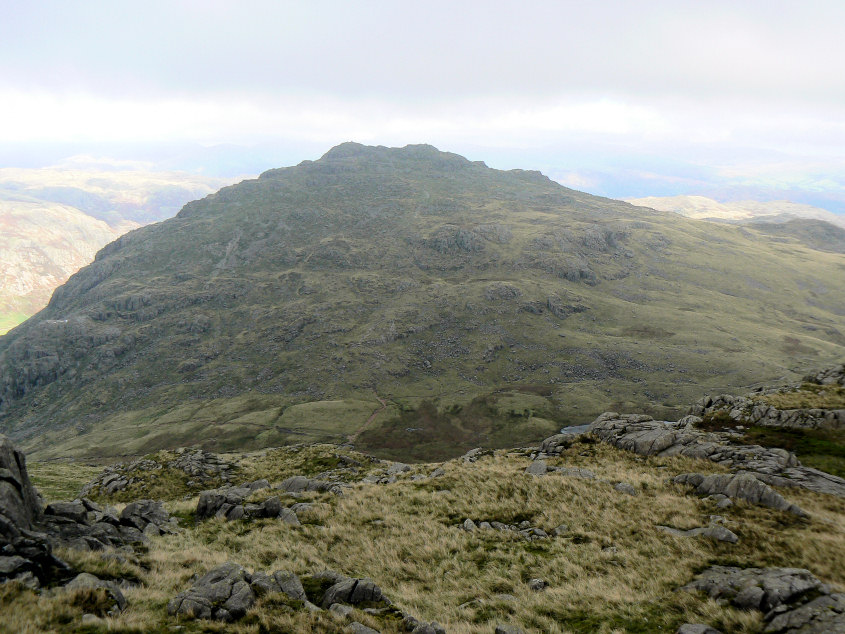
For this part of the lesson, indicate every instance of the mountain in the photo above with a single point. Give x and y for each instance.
(410, 300)
(702, 208)
(41, 245)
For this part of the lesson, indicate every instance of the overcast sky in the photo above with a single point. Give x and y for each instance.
(621, 98)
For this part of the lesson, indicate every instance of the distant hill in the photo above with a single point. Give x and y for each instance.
(413, 301)
(55, 219)
(41, 246)
(111, 195)
(703, 208)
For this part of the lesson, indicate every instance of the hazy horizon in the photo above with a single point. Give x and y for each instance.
(727, 100)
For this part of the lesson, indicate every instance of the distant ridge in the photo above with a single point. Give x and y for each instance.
(744, 211)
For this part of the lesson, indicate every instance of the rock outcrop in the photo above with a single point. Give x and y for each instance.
(20, 504)
(793, 600)
(228, 591)
(85, 525)
(28, 534)
(828, 376)
(25, 553)
(202, 467)
(748, 411)
(714, 531)
(646, 436)
(524, 529)
(230, 504)
(300, 484)
(742, 485)
(223, 594)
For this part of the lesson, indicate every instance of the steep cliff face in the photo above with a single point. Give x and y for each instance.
(420, 276)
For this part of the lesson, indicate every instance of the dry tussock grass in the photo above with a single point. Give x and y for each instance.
(612, 571)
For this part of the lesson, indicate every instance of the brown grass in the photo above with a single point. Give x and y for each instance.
(613, 571)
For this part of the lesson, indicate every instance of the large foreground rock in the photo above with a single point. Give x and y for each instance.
(25, 553)
(793, 600)
(20, 504)
(28, 534)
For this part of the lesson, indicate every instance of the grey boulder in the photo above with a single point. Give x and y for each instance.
(742, 485)
(223, 594)
(696, 628)
(88, 581)
(354, 592)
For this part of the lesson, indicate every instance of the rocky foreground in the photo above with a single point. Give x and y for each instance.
(631, 524)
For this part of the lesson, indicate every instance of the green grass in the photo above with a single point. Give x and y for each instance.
(59, 479)
(819, 448)
(429, 433)
(242, 422)
(10, 320)
(808, 396)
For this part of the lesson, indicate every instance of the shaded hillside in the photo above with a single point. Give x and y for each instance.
(346, 296)
(816, 234)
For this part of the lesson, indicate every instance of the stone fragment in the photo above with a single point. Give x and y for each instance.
(696, 628)
(223, 594)
(279, 581)
(360, 628)
(624, 487)
(537, 585)
(397, 467)
(576, 472)
(88, 581)
(537, 467)
(340, 610)
(74, 511)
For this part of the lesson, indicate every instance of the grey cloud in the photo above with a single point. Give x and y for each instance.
(432, 51)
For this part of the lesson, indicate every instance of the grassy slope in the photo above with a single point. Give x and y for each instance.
(612, 571)
(343, 280)
(10, 320)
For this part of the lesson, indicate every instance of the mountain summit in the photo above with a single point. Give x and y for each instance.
(413, 301)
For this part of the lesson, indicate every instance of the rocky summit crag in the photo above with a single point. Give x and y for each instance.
(414, 301)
